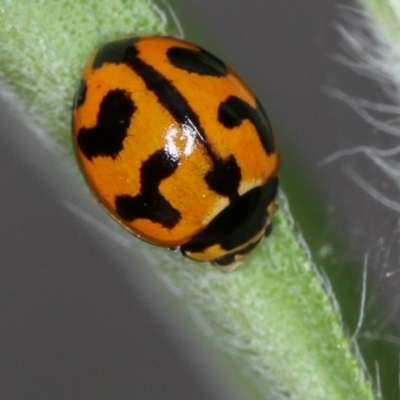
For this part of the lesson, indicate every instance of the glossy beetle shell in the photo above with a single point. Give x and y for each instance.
(176, 147)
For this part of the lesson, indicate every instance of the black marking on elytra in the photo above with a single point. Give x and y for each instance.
(167, 94)
(107, 136)
(224, 178)
(234, 110)
(238, 223)
(199, 61)
(150, 204)
(176, 104)
(80, 95)
(113, 52)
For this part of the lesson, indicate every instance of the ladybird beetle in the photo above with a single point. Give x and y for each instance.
(176, 147)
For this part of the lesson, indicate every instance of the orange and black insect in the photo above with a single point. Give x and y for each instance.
(176, 148)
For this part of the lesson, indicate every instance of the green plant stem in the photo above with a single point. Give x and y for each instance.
(274, 317)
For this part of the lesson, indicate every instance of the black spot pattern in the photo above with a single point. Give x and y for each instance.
(113, 52)
(167, 94)
(234, 110)
(224, 178)
(238, 223)
(198, 61)
(106, 138)
(246, 214)
(80, 95)
(150, 204)
(227, 172)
